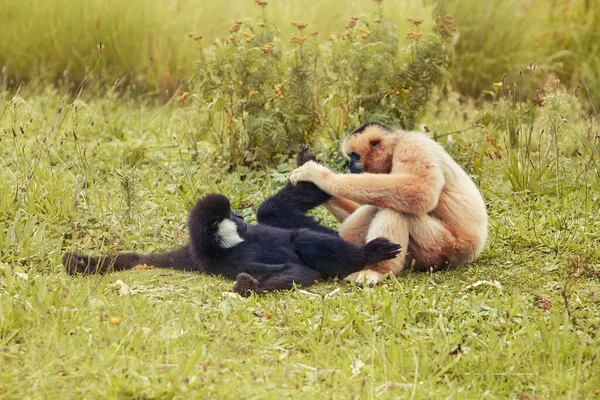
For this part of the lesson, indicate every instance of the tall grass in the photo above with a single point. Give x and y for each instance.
(502, 36)
(146, 42)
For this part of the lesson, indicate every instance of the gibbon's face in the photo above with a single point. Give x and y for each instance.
(369, 149)
(239, 222)
(231, 230)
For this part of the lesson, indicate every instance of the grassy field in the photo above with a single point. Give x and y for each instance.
(117, 165)
(111, 174)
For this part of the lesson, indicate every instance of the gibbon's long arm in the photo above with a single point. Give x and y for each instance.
(180, 258)
(407, 192)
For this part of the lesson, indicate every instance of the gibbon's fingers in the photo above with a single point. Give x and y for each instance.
(381, 249)
(406, 193)
(309, 172)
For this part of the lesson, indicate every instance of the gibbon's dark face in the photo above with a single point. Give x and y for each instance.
(215, 211)
(369, 149)
(239, 223)
(355, 164)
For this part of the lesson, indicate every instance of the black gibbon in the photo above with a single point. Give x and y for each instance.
(287, 246)
(405, 187)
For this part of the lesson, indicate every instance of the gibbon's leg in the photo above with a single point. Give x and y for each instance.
(81, 263)
(333, 256)
(264, 277)
(354, 228)
(433, 246)
(394, 226)
(287, 208)
(339, 207)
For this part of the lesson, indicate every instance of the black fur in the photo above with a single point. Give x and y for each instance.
(287, 247)
(364, 126)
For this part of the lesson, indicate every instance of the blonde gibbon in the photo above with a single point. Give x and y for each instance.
(405, 187)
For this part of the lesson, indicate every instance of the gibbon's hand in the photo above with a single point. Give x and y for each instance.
(310, 172)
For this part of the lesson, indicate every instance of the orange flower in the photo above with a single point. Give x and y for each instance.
(144, 266)
(415, 21)
(180, 99)
(410, 35)
(278, 92)
(248, 36)
(267, 48)
(297, 39)
(299, 25)
(365, 32)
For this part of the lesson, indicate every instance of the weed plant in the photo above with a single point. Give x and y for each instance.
(261, 100)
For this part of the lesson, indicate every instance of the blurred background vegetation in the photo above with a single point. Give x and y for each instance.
(148, 48)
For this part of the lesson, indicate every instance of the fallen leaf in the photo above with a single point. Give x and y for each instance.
(306, 292)
(528, 397)
(143, 266)
(122, 288)
(356, 366)
(493, 283)
(457, 352)
(22, 275)
(543, 303)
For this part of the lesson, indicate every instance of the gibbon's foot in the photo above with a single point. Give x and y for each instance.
(245, 284)
(304, 156)
(381, 249)
(366, 277)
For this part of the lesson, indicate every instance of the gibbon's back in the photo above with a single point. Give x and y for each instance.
(468, 203)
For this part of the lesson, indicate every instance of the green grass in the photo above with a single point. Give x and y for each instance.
(180, 335)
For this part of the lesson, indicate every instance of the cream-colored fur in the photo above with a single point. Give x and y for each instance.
(412, 192)
(228, 234)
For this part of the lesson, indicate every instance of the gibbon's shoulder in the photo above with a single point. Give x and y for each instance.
(419, 143)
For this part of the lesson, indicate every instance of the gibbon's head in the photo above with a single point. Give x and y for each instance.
(370, 148)
(229, 227)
